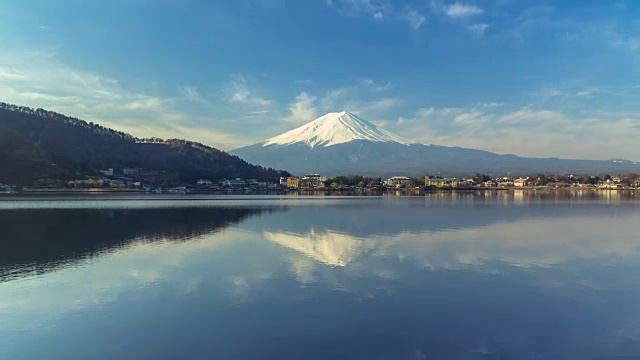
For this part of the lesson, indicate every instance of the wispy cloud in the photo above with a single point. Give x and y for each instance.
(9, 74)
(414, 18)
(303, 109)
(381, 105)
(380, 10)
(526, 131)
(478, 29)
(303, 81)
(462, 15)
(566, 94)
(492, 104)
(361, 98)
(190, 93)
(240, 92)
(40, 79)
(371, 84)
(626, 42)
(459, 10)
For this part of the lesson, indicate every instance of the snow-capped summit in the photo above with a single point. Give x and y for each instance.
(336, 128)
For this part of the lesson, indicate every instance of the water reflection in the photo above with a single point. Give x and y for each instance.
(39, 240)
(475, 276)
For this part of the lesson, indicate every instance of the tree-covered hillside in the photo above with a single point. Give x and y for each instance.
(40, 144)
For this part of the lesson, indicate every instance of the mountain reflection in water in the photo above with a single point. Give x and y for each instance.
(481, 276)
(40, 239)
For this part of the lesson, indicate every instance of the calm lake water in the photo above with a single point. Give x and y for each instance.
(512, 275)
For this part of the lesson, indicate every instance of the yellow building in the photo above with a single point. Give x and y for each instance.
(520, 182)
(293, 182)
(441, 183)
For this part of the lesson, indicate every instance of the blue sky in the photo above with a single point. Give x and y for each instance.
(536, 78)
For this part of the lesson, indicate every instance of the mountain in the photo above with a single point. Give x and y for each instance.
(342, 143)
(337, 128)
(40, 144)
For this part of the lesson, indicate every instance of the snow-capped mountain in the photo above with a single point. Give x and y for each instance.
(342, 143)
(336, 128)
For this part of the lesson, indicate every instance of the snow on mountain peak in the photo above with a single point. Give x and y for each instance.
(336, 128)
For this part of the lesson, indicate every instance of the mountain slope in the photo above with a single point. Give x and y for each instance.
(40, 144)
(342, 143)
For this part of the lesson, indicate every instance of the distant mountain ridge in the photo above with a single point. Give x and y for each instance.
(40, 144)
(343, 143)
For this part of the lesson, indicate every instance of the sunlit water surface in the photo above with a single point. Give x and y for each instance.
(512, 275)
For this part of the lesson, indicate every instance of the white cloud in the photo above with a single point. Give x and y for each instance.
(626, 42)
(356, 98)
(458, 10)
(240, 92)
(369, 83)
(9, 74)
(463, 14)
(112, 274)
(492, 104)
(526, 132)
(414, 18)
(145, 102)
(39, 79)
(381, 104)
(497, 243)
(612, 34)
(566, 94)
(587, 93)
(379, 10)
(190, 93)
(501, 242)
(360, 99)
(373, 8)
(478, 29)
(303, 81)
(303, 109)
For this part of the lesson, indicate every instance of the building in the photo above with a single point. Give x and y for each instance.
(521, 182)
(489, 184)
(610, 184)
(205, 182)
(441, 182)
(108, 172)
(131, 171)
(119, 184)
(293, 182)
(398, 181)
(149, 173)
(313, 181)
(235, 183)
(6, 189)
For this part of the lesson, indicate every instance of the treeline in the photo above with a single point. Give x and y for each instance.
(364, 181)
(40, 144)
(542, 180)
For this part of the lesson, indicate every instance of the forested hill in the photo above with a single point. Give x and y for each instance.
(40, 144)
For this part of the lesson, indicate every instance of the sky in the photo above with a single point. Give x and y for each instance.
(540, 78)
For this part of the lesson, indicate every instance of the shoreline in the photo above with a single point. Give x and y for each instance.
(310, 192)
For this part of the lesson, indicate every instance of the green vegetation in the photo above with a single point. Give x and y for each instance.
(341, 182)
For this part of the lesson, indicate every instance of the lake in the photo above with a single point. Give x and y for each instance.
(479, 275)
